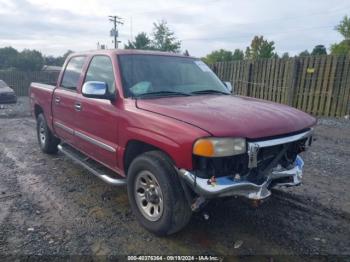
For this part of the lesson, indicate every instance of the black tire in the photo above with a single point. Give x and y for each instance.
(47, 141)
(176, 210)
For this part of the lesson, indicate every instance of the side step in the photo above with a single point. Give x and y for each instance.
(92, 166)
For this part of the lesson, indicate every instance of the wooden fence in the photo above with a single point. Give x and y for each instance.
(20, 81)
(319, 85)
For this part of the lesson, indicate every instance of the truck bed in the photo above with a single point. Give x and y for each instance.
(41, 94)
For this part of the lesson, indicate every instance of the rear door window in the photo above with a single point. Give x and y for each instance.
(72, 73)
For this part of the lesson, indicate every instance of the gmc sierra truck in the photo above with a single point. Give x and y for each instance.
(170, 130)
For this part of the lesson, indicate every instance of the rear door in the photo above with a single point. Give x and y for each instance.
(64, 99)
(97, 119)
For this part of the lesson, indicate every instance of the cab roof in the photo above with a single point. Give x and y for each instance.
(128, 52)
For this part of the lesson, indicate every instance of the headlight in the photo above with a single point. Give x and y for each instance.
(219, 147)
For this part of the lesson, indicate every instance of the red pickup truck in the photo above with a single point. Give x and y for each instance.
(170, 130)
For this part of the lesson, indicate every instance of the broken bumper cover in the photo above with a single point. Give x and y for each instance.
(227, 186)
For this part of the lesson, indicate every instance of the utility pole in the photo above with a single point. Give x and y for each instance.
(114, 32)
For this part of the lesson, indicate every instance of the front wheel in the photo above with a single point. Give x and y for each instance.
(156, 195)
(47, 141)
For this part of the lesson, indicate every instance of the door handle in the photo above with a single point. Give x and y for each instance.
(77, 106)
(57, 99)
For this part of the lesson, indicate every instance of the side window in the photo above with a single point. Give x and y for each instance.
(72, 73)
(101, 69)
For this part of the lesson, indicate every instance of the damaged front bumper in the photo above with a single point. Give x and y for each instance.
(229, 186)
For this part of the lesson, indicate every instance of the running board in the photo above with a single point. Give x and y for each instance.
(91, 165)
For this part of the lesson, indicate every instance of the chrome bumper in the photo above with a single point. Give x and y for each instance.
(228, 186)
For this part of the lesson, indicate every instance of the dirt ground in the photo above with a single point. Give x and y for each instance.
(51, 206)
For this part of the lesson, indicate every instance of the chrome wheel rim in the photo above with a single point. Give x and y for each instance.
(42, 135)
(148, 196)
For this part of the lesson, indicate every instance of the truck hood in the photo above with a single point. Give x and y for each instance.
(231, 116)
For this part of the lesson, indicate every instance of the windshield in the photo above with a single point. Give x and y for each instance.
(156, 75)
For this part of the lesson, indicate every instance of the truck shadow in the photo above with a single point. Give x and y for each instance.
(285, 223)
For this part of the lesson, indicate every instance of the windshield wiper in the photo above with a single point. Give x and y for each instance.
(162, 93)
(210, 91)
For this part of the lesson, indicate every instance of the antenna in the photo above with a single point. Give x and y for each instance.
(131, 35)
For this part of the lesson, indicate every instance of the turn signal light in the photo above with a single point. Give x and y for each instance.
(203, 147)
(219, 147)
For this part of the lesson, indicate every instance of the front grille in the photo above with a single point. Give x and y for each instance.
(221, 166)
(224, 166)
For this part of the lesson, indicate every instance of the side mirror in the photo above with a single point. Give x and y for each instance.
(229, 87)
(96, 89)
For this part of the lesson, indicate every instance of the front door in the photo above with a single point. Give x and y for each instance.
(64, 99)
(96, 119)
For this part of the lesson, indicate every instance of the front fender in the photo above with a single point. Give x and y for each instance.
(172, 136)
(181, 154)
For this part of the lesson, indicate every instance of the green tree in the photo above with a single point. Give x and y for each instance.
(247, 53)
(27, 60)
(57, 61)
(285, 55)
(342, 48)
(260, 48)
(164, 39)
(319, 50)
(51, 60)
(8, 57)
(238, 54)
(344, 27)
(30, 60)
(142, 42)
(221, 55)
(304, 53)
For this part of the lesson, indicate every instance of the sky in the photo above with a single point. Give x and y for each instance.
(53, 27)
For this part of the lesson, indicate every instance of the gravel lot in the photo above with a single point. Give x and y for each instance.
(20, 109)
(50, 206)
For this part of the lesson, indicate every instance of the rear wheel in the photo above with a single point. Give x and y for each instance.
(47, 141)
(156, 195)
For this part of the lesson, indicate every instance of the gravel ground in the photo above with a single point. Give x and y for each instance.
(50, 206)
(20, 109)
